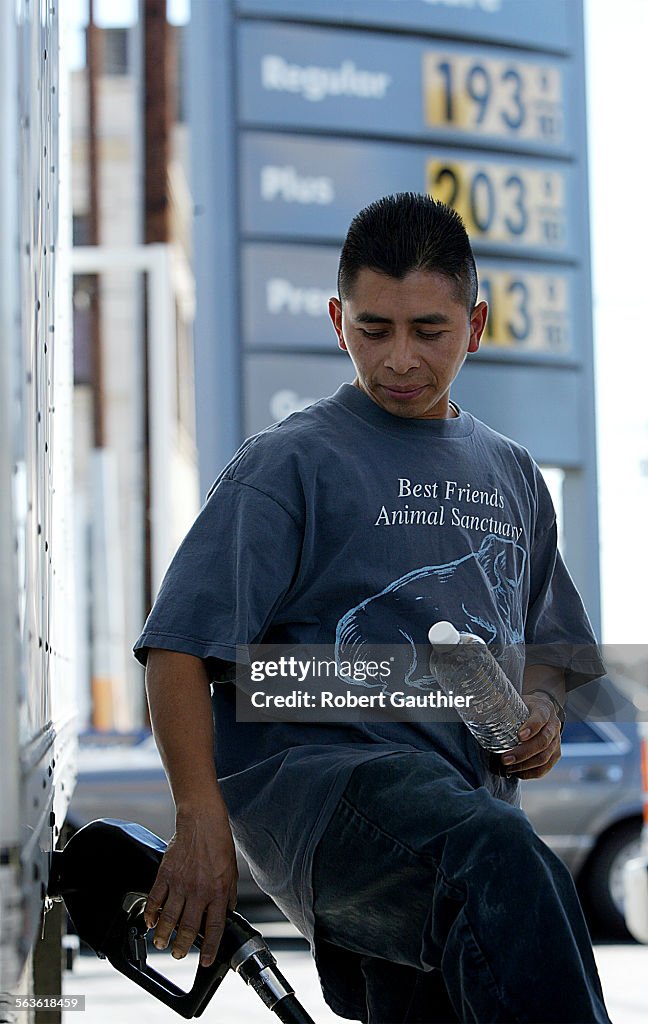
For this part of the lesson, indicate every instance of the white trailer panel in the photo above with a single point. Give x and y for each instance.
(37, 681)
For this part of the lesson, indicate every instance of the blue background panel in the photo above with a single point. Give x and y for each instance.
(542, 407)
(533, 23)
(285, 296)
(369, 83)
(278, 384)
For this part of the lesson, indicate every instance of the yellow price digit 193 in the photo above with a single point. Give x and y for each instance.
(491, 96)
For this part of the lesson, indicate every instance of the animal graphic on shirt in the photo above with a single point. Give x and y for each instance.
(479, 593)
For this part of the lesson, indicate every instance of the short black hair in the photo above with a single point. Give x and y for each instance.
(404, 232)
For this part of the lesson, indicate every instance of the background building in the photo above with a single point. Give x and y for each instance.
(135, 451)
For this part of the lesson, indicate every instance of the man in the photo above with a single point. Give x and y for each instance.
(396, 846)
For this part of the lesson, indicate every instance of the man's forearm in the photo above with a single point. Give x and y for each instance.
(196, 881)
(181, 716)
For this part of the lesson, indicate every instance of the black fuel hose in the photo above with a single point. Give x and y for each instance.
(290, 1011)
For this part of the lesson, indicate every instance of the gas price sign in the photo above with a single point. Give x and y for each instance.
(500, 202)
(479, 95)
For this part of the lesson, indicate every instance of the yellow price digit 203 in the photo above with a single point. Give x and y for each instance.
(503, 203)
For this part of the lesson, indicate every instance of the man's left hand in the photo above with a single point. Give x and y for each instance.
(539, 749)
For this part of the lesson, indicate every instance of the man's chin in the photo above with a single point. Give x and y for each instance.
(417, 405)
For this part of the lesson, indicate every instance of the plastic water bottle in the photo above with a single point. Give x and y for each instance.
(463, 666)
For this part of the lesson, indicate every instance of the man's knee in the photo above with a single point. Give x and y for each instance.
(494, 835)
(500, 852)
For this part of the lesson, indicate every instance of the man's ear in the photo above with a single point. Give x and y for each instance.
(335, 313)
(478, 319)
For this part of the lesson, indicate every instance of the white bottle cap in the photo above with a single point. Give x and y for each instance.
(443, 634)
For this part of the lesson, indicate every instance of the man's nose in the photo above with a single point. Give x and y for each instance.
(402, 356)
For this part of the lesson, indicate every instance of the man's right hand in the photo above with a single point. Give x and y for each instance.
(195, 886)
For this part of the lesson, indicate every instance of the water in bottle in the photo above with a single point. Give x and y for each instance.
(463, 666)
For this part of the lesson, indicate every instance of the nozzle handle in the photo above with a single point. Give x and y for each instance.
(186, 1004)
(121, 859)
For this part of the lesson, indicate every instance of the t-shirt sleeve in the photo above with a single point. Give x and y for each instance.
(227, 578)
(558, 631)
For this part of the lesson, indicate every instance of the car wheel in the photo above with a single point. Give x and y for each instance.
(603, 882)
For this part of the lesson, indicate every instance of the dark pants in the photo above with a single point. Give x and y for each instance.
(436, 902)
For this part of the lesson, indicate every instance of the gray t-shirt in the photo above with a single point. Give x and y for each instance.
(346, 526)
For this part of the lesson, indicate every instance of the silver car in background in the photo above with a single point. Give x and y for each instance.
(588, 809)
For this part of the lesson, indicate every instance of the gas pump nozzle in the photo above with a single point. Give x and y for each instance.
(104, 875)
